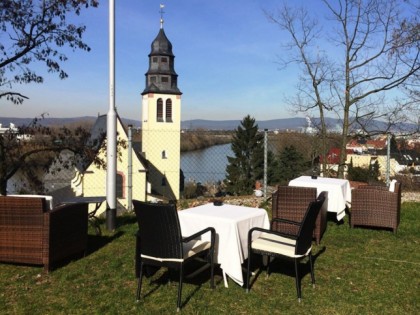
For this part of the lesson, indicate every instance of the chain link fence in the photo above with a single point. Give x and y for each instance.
(203, 163)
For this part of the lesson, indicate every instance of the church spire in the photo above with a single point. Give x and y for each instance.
(161, 15)
(161, 76)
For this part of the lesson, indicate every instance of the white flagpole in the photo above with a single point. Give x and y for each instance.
(111, 130)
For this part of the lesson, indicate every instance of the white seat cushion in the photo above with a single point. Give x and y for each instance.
(392, 185)
(277, 244)
(194, 247)
(189, 249)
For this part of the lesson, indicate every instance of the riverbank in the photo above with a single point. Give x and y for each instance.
(192, 141)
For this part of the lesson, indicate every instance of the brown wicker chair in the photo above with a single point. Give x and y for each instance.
(31, 234)
(376, 206)
(290, 203)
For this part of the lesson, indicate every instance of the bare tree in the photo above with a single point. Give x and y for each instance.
(313, 85)
(33, 148)
(375, 56)
(36, 31)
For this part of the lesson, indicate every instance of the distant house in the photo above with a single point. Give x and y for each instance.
(365, 160)
(332, 159)
(367, 151)
(363, 145)
(12, 128)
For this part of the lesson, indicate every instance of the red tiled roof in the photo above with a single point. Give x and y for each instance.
(333, 156)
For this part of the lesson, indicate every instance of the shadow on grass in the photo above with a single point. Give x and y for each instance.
(171, 277)
(285, 266)
(126, 219)
(96, 242)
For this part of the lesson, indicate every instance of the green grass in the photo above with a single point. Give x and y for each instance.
(358, 271)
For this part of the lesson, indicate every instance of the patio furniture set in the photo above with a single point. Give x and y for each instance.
(33, 233)
(231, 235)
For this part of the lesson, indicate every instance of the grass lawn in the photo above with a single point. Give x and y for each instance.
(357, 271)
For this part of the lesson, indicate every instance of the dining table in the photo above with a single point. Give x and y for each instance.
(339, 192)
(232, 223)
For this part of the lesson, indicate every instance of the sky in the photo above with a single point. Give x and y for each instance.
(226, 58)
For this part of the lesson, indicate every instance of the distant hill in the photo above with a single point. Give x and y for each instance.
(286, 123)
(274, 124)
(281, 124)
(5, 121)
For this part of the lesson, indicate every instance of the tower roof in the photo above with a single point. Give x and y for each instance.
(161, 76)
(161, 45)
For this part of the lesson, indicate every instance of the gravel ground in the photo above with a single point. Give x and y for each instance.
(410, 196)
(252, 201)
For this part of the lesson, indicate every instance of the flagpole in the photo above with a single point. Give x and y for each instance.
(111, 130)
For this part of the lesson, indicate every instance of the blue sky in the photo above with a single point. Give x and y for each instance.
(225, 56)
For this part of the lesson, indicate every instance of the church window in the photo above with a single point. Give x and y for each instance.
(168, 114)
(165, 80)
(120, 186)
(159, 110)
(153, 79)
(155, 59)
(164, 60)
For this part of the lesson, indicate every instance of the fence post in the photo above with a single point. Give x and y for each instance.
(130, 169)
(265, 162)
(388, 158)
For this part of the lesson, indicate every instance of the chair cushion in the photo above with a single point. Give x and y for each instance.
(392, 185)
(189, 249)
(194, 247)
(277, 244)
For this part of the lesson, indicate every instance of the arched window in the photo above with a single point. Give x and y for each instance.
(120, 186)
(168, 114)
(159, 110)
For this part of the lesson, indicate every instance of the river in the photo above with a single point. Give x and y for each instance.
(207, 165)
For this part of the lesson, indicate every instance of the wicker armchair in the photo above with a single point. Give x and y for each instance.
(32, 234)
(290, 203)
(376, 206)
(294, 246)
(160, 243)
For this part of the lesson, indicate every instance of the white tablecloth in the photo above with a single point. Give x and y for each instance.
(339, 192)
(232, 224)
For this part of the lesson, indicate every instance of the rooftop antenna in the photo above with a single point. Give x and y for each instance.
(161, 15)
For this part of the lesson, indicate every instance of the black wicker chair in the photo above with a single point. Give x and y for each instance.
(277, 244)
(160, 242)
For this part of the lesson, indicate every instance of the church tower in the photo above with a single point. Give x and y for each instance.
(161, 119)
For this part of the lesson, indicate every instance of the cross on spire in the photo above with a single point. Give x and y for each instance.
(161, 15)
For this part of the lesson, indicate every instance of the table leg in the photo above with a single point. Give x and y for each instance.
(94, 220)
(225, 279)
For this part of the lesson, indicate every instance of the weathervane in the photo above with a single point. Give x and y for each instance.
(161, 15)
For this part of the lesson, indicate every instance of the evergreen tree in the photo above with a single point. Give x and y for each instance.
(247, 165)
(374, 171)
(393, 144)
(291, 164)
